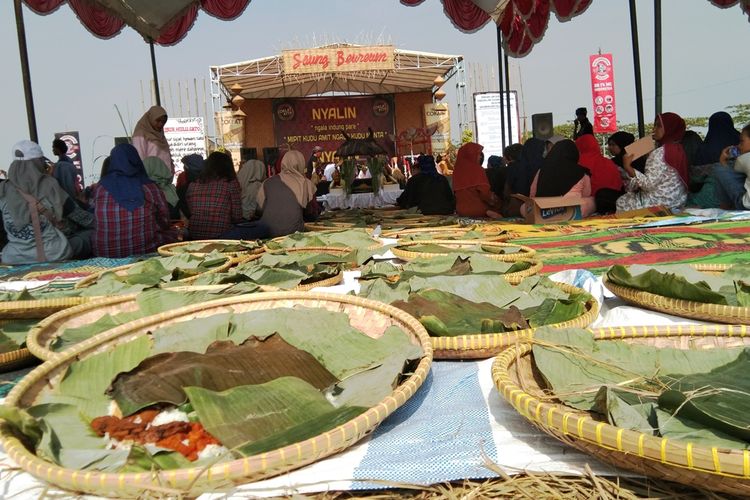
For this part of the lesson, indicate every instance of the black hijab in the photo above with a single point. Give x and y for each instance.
(560, 170)
(721, 133)
(522, 171)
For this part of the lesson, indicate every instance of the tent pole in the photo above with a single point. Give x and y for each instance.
(507, 103)
(23, 52)
(500, 82)
(153, 70)
(657, 55)
(637, 69)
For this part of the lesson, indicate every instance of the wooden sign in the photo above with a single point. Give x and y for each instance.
(338, 59)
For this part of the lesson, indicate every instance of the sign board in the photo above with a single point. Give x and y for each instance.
(231, 129)
(487, 109)
(185, 136)
(438, 115)
(337, 59)
(73, 142)
(319, 121)
(603, 93)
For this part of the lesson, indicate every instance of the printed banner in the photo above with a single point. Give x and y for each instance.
(437, 117)
(319, 121)
(231, 128)
(337, 59)
(487, 109)
(185, 136)
(74, 153)
(603, 93)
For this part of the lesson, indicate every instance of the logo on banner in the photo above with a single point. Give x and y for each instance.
(285, 111)
(381, 107)
(601, 66)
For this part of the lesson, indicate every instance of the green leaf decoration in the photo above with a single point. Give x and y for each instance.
(13, 334)
(215, 246)
(161, 378)
(672, 427)
(666, 284)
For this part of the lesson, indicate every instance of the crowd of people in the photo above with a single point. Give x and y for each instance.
(135, 207)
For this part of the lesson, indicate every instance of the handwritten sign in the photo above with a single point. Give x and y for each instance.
(185, 136)
(337, 59)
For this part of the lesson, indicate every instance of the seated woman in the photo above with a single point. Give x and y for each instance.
(132, 216)
(215, 199)
(616, 145)
(664, 181)
(288, 200)
(193, 164)
(427, 190)
(561, 175)
(520, 175)
(720, 134)
(158, 172)
(31, 204)
(251, 177)
(732, 175)
(606, 182)
(470, 184)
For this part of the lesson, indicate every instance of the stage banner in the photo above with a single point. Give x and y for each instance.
(437, 117)
(487, 109)
(603, 93)
(185, 136)
(231, 128)
(74, 153)
(337, 59)
(319, 121)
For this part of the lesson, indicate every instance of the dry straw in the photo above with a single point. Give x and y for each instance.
(368, 316)
(719, 469)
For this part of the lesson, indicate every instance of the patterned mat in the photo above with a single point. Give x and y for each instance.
(11, 273)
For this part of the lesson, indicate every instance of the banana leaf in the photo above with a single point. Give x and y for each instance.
(161, 378)
(352, 238)
(7, 296)
(679, 427)
(667, 284)
(384, 291)
(13, 334)
(256, 418)
(239, 246)
(626, 410)
(475, 288)
(555, 311)
(378, 269)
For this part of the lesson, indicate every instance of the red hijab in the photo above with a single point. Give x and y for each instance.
(604, 172)
(468, 172)
(674, 154)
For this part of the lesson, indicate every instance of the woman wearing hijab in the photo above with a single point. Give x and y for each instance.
(31, 204)
(288, 199)
(606, 182)
(251, 177)
(665, 179)
(562, 175)
(193, 167)
(721, 133)
(427, 189)
(158, 172)
(470, 184)
(149, 138)
(616, 145)
(215, 199)
(520, 175)
(132, 215)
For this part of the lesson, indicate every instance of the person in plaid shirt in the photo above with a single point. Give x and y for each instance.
(215, 199)
(132, 216)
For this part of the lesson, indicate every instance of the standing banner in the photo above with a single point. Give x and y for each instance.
(319, 121)
(74, 153)
(437, 115)
(487, 109)
(603, 93)
(185, 136)
(231, 128)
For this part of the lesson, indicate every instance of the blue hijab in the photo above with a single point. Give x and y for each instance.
(126, 177)
(522, 172)
(721, 133)
(427, 165)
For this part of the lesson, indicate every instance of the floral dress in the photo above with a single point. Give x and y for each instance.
(660, 184)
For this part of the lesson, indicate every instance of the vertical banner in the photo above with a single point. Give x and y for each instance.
(74, 153)
(487, 109)
(231, 127)
(437, 116)
(185, 136)
(603, 92)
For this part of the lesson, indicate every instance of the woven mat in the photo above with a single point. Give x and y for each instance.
(712, 243)
(11, 273)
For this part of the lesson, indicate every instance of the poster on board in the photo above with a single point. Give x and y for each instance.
(603, 93)
(487, 109)
(185, 136)
(73, 141)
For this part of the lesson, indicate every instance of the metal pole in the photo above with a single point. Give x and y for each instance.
(507, 103)
(153, 70)
(657, 55)
(23, 52)
(637, 69)
(501, 82)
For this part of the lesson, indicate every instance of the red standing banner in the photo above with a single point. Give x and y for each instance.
(603, 93)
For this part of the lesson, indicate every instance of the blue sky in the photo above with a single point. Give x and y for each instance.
(78, 79)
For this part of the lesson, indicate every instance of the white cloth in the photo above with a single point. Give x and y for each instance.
(328, 172)
(337, 199)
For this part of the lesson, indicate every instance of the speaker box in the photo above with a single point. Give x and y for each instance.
(270, 155)
(248, 154)
(122, 140)
(542, 126)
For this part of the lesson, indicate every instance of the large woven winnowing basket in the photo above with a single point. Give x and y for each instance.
(173, 248)
(402, 249)
(367, 316)
(449, 233)
(485, 345)
(718, 469)
(686, 308)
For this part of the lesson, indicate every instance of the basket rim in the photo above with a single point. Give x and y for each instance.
(250, 468)
(524, 253)
(17, 309)
(397, 234)
(166, 250)
(485, 345)
(557, 418)
(12, 359)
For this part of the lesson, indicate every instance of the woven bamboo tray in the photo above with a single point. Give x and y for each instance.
(485, 345)
(375, 244)
(31, 309)
(685, 308)
(718, 469)
(90, 280)
(13, 360)
(169, 250)
(444, 233)
(404, 254)
(51, 274)
(368, 316)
